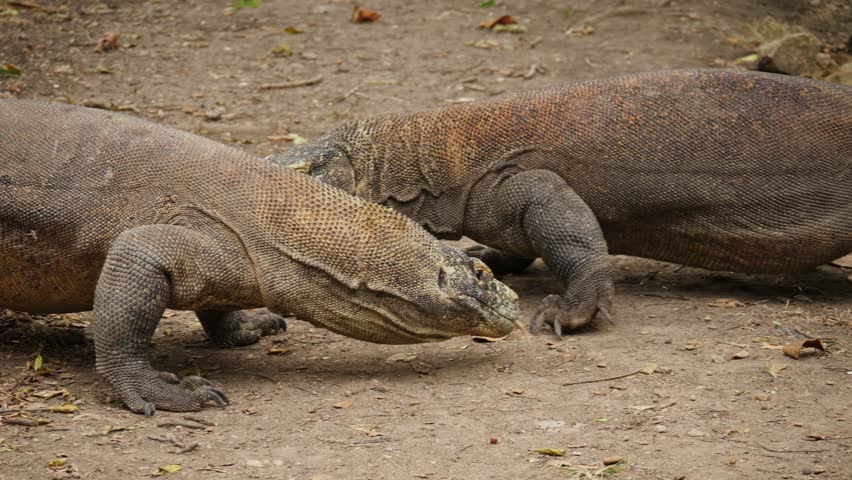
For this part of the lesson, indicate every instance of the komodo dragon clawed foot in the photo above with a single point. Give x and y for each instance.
(587, 297)
(165, 390)
(239, 328)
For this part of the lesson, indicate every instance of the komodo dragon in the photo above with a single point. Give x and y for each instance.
(107, 211)
(721, 169)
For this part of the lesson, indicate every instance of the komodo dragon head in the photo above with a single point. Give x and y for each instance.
(370, 273)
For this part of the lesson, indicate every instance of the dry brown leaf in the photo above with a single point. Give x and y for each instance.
(794, 350)
(343, 404)
(277, 351)
(775, 369)
(580, 31)
(107, 42)
(359, 15)
(491, 22)
(553, 452)
(64, 408)
(740, 355)
(612, 460)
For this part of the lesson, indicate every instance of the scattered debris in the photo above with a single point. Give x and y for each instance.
(298, 83)
(282, 50)
(646, 370)
(553, 452)
(726, 303)
(492, 22)
(360, 15)
(580, 31)
(107, 42)
(794, 350)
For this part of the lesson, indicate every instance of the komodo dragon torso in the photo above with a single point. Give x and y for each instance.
(105, 211)
(720, 169)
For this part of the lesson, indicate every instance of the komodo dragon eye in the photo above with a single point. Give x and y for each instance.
(480, 270)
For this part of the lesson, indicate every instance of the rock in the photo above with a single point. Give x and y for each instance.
(661, 428)
(740, 355)
(695, 433)
(793, 54)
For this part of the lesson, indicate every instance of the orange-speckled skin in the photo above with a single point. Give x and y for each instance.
(722, 169)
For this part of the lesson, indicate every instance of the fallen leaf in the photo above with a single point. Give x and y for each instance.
(648, 369)
(580, 31)
(171, 313)
(48, 394)
(359, 15)
(483, 44)
(64, 408)
(515, 28)
(725, 303)
(815, 436)
(107, 42)
(740, 355)
(282, 50)
(343, 404)
(487, 4)
(99, 68)
(794, 350)
(750, 58)
(762, 397)
(290, 137)
(160, 471)
(491, 22)
(38, 363)
(775, 369)
(553, 452)
(57, 462)
(246, 3)
(401, 357)
(277, 351)
(8, 12)
(289, 29)
(168, 331)
(612, 460)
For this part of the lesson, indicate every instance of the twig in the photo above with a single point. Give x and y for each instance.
(199, 420)
(774, 450)
(26, 422)
(298, 83)
(603, 379)
(188, 448)
(182, 423)
(662, 295)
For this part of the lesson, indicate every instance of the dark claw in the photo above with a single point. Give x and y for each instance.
(280, 325)
(218, 396)
(149, 409)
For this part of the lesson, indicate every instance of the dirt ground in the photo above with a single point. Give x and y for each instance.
(723, 401)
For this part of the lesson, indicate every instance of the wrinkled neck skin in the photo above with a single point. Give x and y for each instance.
(396, 160)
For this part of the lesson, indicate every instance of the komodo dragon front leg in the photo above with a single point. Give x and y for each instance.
(148, 269)
(536, 214)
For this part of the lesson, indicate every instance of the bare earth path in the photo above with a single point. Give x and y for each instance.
(312, 405)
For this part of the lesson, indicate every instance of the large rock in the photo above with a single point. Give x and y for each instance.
(793, 54)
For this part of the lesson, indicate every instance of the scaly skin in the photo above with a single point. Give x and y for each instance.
(720, 169)
(107, 212)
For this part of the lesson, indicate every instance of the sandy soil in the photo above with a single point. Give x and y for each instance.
(718, 405)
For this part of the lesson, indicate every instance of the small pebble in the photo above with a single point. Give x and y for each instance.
(692, 398)
(661, 428)
(612, 460)
(695, 433)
